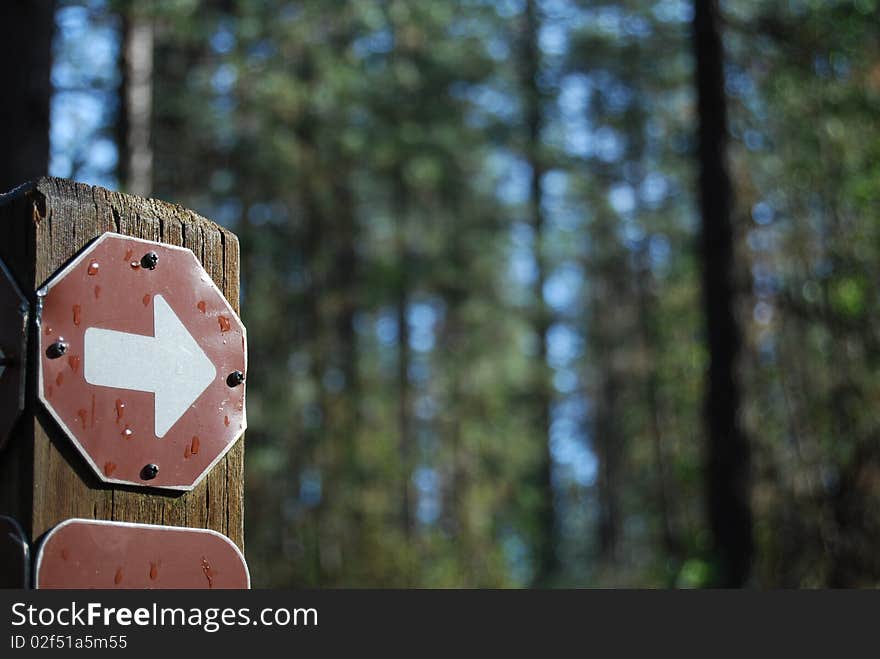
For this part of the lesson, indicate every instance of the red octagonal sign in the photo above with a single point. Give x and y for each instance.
(142, 362)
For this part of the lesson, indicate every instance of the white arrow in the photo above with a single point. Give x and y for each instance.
(169, 364)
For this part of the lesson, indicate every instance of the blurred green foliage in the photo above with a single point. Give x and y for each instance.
(375, 160)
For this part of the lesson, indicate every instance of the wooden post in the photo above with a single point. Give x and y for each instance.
(43, 479)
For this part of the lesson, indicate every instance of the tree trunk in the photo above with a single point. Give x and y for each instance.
(26, 29)
(455, 355)
(545, 558)
(608, 448)
(347, 469)
(402, 294)
(136, 104)
(607, 323)
(727, 472)
(650, 340)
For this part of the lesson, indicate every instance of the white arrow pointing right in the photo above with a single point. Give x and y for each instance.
(169, 364)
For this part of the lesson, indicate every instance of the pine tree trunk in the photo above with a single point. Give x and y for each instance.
(454, 345)
(136, 101)
(608, 448)
(402, 293)
(26, 29)
(608, 277)
(652, 387)
(546, 559)
(727, 471)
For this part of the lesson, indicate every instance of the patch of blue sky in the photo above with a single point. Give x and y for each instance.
(379, 42)
(85, 75)
(673, 11)
(563, 287)
(632, 232)
(492, 100)
(565, 381)
(419, 370)
(570, 452)
(509, 8)
(659, 252)
(554, 183)
(427, 484)
(425, 407)
(422, 320)
(513, 186)
(553, 39)
(518, 557)
(223, 40)
(85, 51)
(622, 198)
(224, 78)
(310, 487)
(608, 144)
(564, 345)
(763, 213)
(522, 235)
(522, 268)
(386, 327)
(572, 407)
(654, 189)
(497, 48)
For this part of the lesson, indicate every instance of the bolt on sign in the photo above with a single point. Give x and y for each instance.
(142, 362)
(87, 553)
(13, 349)
(15, 565)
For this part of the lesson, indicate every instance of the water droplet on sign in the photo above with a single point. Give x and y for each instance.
(93, 268)
(209, 573)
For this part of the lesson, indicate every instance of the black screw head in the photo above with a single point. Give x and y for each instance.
(56, 350)
(235, 378)
(149, 260)
(149, 472)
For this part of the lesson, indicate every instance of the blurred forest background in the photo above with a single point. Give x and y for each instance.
(538, 292)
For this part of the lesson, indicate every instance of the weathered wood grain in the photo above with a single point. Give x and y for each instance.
(43, 479)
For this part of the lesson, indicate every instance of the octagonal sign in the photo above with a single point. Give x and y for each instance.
(13, 344)
(142, 362)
